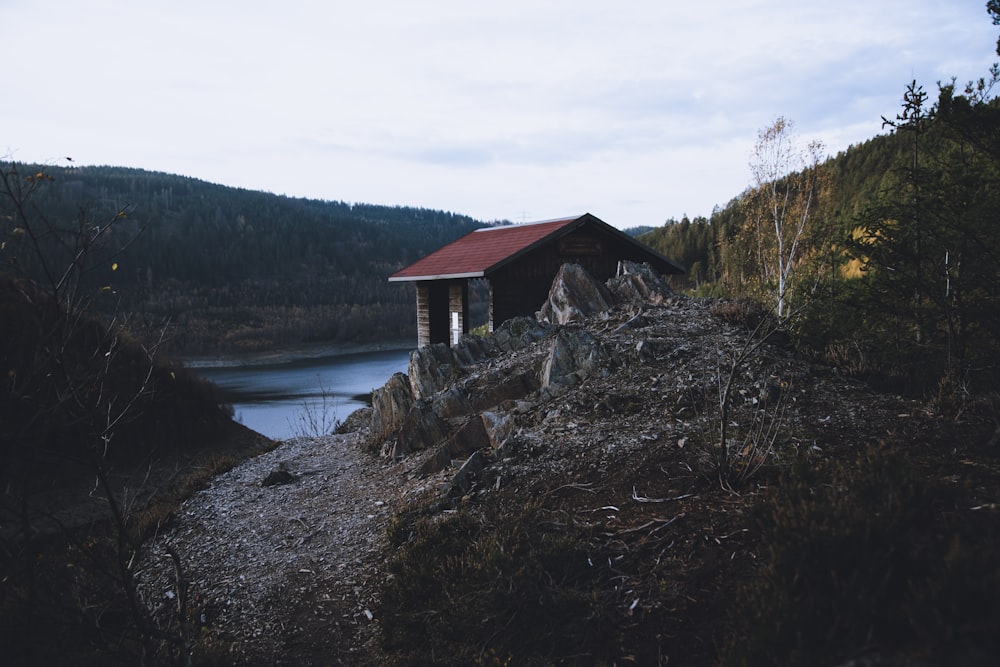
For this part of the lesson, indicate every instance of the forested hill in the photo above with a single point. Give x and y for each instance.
(233, 269)
(719, 251)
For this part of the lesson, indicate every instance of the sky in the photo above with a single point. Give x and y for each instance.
(636, 110)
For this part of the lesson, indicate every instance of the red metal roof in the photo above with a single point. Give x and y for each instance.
(473, 255)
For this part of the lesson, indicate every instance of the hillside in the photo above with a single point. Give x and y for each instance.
(885, 255)
(230, 269)
(99, 439)
(716, 248)
(595, 520)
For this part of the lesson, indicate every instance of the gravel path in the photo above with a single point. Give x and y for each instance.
(287, 572)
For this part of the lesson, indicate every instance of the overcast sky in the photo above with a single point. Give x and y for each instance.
(634, 110)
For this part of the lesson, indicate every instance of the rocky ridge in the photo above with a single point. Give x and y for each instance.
(607, 400)
(630, 359)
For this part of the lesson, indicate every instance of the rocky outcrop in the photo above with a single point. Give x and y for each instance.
(574, 356)
(431, 369)
(390, 405)
(639, 283)
(520, 332)
(437, 367)
(458, 400)
(468, 474)
(575, 295)
(422, 429)
(455, 404)
(470, 437)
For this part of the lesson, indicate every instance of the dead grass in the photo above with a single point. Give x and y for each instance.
(75, 581)
(878, 551)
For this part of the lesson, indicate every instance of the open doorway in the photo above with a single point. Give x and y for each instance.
(479, 306)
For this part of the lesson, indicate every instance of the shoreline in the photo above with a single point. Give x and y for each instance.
(291, 354)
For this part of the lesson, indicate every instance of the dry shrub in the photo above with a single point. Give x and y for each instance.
(850, 357)
(743, 311)
(952, 397)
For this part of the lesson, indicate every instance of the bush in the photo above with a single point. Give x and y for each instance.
(743, 311)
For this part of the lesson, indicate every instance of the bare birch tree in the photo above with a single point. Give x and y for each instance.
(783, 194)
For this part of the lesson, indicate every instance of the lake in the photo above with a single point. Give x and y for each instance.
(296, 392)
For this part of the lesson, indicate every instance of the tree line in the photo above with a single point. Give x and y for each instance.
(229, 268)
(895, 273)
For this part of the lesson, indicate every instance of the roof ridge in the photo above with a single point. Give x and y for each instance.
(517, 225)
(477, 255)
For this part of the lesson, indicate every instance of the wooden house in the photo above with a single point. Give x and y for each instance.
(519, 262)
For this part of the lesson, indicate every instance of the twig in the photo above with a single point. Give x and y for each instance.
(602, 509)
(664, 522)
(642, 499)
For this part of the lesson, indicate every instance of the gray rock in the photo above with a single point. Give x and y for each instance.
(390, 405)
(435, 367)
(422, 429)
(431, 369)
(466, 476)
(634, 324)
(575, 295)
(574, 356)
(473, 349)
(279, 476)
(639, 282)
(468, 398)
(519, 332)
(507, 391)
(451, 403)
(469, 437)
(499, 427)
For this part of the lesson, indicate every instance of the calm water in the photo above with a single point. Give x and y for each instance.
(272, 397)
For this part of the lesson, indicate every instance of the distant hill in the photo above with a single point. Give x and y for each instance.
(233, 269)
(638, 231)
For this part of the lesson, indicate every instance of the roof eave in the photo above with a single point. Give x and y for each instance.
(443, 276)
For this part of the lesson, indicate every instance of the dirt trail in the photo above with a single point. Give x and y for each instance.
(287, 572)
